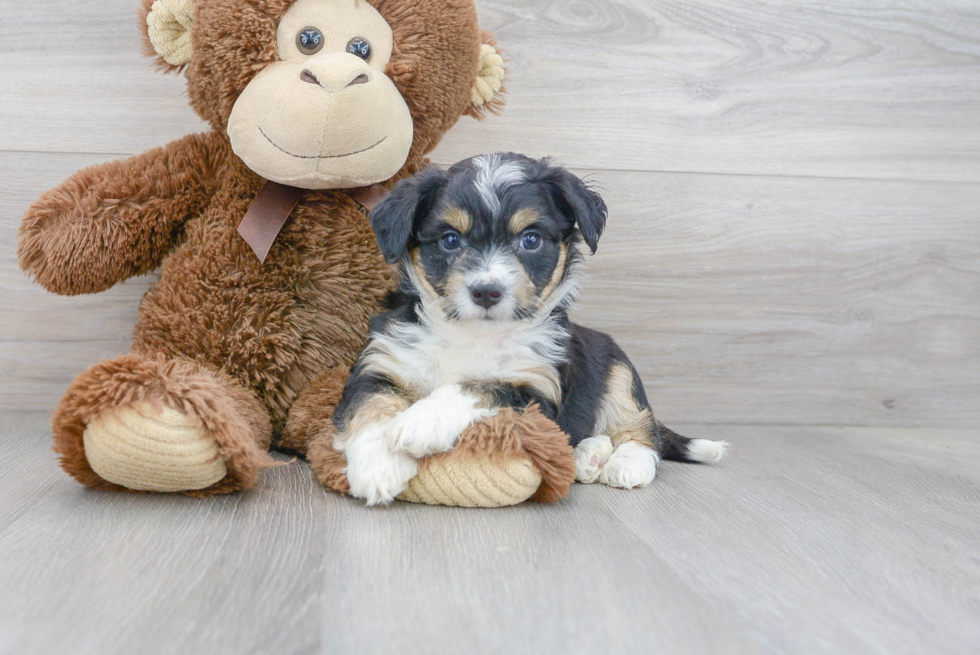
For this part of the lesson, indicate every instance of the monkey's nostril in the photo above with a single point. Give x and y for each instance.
(308, 76)
(360, 79)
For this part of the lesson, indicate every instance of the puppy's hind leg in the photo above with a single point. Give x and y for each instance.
(624, 414)
(590, 456)
(634, 461)
(631, 465)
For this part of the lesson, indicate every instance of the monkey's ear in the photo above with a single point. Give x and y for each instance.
(487, 93)
(395, 218)
(580, 204)
(166, 26)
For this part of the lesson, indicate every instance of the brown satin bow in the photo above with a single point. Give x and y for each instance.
(275, 202)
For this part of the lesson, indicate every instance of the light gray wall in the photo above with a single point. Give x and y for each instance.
(794, 189)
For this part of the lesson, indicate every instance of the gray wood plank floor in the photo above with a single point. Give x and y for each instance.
(806, 540)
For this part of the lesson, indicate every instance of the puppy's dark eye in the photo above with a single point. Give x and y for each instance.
(309, 40)
(449, 241)
(359, 48)
(531, 241)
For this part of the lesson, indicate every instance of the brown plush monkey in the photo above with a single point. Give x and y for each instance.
(309, 102)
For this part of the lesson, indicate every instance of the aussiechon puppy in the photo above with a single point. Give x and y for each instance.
(489, 264)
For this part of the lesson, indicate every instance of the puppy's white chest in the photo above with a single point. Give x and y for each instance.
(424, 360)
(496, 357)
(421, 359)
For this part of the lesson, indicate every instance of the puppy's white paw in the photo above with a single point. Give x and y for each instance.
(375, 473)
(590, 456)
(433, 424)
(631, 465)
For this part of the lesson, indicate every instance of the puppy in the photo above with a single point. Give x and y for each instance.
(489, 263)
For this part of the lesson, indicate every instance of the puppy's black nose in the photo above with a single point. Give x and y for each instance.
(486, 295)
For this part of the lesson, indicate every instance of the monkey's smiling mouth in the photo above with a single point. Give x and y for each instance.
(347, 154)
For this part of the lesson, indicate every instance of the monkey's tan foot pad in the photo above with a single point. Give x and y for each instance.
(147, 448)
(474, 482)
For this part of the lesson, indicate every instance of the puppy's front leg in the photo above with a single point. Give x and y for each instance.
(363, 419)
(374, 472)
(433, 424)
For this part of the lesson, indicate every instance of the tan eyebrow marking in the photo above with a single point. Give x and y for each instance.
(458, 219)
(522, 219)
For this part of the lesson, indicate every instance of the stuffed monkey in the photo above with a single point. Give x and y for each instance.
(270, 272)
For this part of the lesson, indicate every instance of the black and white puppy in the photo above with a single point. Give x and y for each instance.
(489, 264)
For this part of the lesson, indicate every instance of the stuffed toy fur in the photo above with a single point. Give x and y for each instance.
(240, 347)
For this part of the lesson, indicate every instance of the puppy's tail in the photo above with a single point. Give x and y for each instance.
(682, 449)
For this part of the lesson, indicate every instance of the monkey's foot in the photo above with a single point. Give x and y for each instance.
(138, 423)
(144, 448)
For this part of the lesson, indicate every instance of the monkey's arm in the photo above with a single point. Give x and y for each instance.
(110, 222)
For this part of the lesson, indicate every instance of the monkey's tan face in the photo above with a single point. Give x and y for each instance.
(325, 116)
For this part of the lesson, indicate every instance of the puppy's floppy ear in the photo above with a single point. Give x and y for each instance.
(580, 204)
(395, 218)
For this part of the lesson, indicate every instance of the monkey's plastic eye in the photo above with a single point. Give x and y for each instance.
(449, 241)
(359, 48)
(531, 241)
(309, 40)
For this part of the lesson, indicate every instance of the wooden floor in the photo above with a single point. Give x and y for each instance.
(807, 540)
